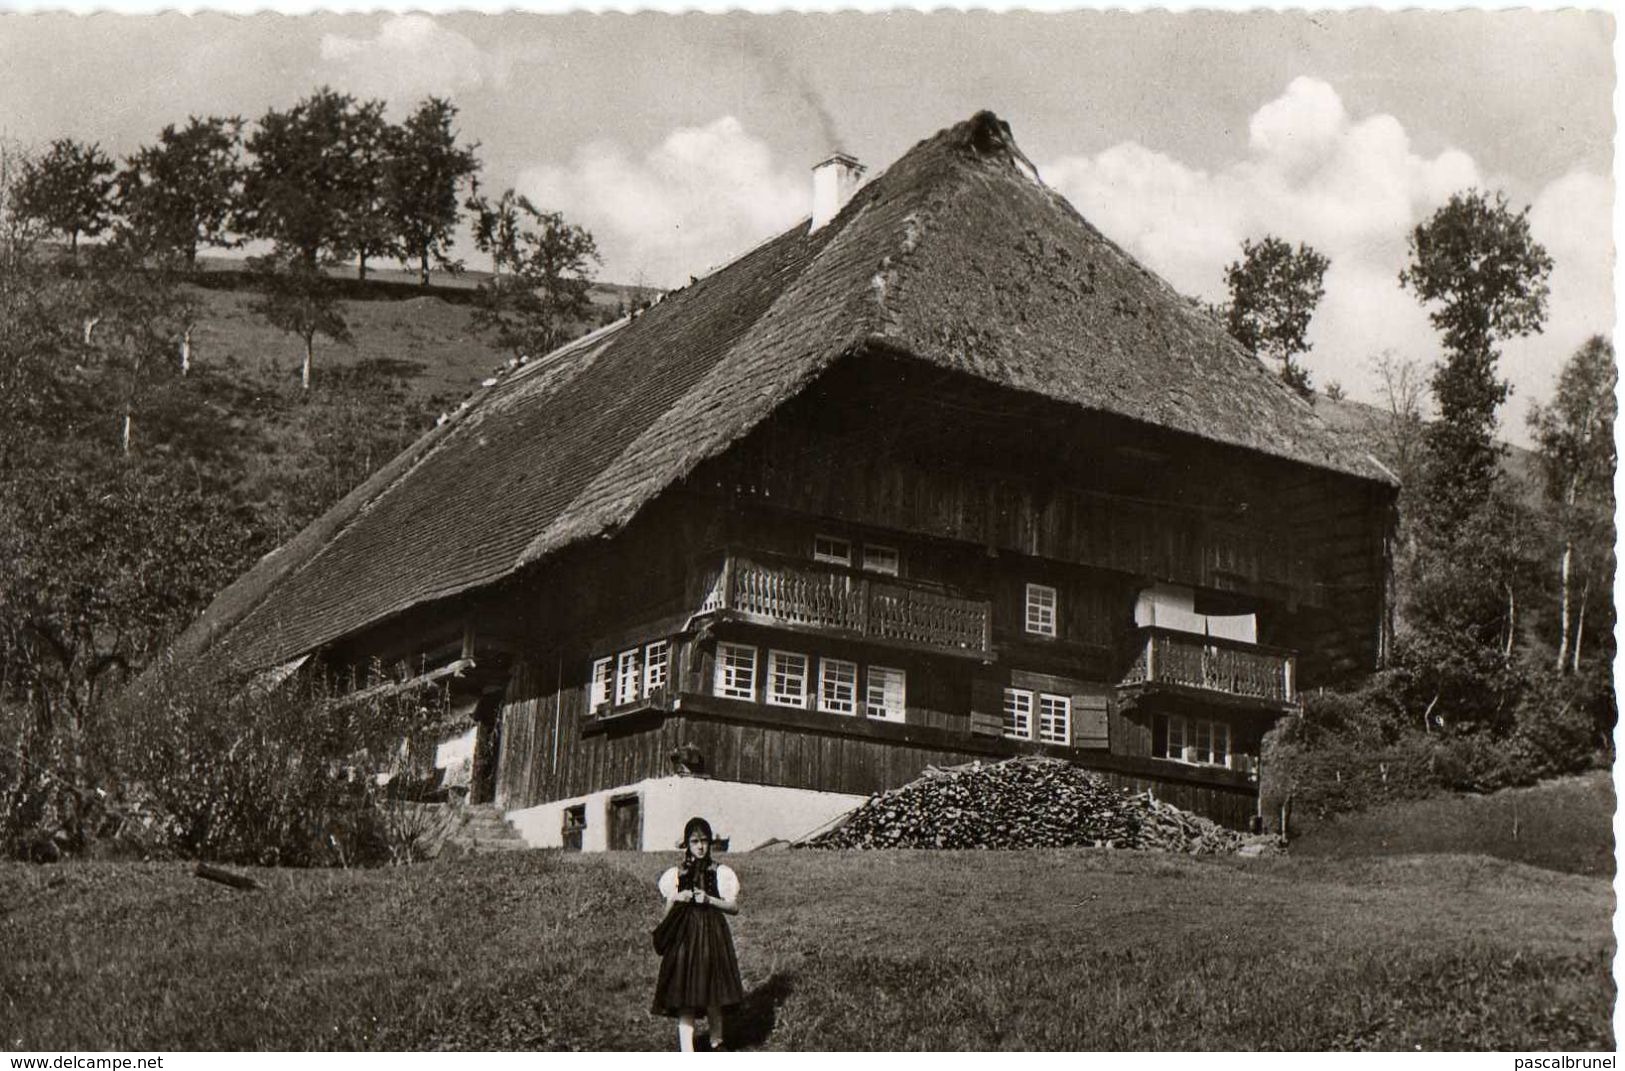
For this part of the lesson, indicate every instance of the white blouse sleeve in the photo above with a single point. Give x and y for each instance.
(668, 884)
(727, 883)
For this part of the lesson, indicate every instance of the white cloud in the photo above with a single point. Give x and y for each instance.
(411, 56)
(1353, 188)
(700, 197)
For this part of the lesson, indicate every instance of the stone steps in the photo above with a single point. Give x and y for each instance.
(458, 828)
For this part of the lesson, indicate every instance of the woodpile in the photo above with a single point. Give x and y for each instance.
(1026, 803)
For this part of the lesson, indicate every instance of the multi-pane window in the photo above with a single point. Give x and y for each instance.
(1055, 719)
(786, 679)
(736, 671)
(1196, 740)
(1018, 713)
(885, 696)
(1040, 610)
(830, 549)
(598, 690)
(628, 675)
(881, 559)
(656, 666)
(837, 686)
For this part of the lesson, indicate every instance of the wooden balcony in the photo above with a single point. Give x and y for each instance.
(1228, 670)
(792, 593)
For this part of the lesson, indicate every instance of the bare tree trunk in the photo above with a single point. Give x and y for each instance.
(186, 350)
(1512, 620)
(423, 268)
(361, 266)
(1580, 623)
(1563, 573)
(124, 439)
(90, 327)
(310, 356)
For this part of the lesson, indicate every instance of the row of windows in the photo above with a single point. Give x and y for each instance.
(790, 682)
(630, 675)
(1195, 740)
(875, 558)
(794, 679)
(1053, 721)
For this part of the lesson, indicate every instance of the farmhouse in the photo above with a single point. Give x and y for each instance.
(939, 474)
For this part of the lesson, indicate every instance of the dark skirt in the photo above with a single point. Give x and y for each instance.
(699, 968)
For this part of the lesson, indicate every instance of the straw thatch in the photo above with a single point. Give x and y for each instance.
(956, 255)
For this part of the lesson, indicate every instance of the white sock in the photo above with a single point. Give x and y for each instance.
(685, 1033)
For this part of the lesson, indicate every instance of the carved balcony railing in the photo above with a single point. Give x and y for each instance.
(1230, 668)
(775, 590)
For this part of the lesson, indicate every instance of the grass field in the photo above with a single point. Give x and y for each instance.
(1565, 824)
(1083, 949)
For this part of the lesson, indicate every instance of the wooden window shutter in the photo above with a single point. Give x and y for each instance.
(1089, 720)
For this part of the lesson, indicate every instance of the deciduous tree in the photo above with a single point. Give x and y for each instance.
(425, 171)
(1575, 434)
(68, 190)
(1274, 290)
(370, 148)
(182, 193)
(296, 190)
(542, 297)
(298, 298)
(1477, 268)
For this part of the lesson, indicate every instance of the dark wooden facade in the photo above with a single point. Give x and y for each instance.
(979, 491)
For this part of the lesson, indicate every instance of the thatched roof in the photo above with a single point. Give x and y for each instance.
(957, 255)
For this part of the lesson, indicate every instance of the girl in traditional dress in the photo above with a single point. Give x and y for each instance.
(699, 972)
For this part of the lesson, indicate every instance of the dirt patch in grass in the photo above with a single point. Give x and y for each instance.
(874, 950)
(1566, 824)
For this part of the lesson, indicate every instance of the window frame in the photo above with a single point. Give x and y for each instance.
(886, 713)
(1220, 739)
(1031, 698)
(1046, 621)
(650, 683)
(771, 688)
(896, 562)
(824, 703)
(601, 684)
(1039, 732)
(628, 669)
(720, 685)
(819, 555)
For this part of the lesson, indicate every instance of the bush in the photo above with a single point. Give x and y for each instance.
(1354, 750)
(290, 775)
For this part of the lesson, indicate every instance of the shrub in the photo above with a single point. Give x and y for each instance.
(1353, 750)
(287, 775)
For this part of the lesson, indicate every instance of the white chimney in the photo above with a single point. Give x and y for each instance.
(834, 181)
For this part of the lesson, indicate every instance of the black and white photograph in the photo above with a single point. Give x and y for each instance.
(661, 531)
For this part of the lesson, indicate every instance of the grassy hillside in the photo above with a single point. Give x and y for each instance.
(422, 336)
(1566, 824)
(1087, 949)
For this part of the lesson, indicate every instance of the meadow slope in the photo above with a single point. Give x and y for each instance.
(1080, 949)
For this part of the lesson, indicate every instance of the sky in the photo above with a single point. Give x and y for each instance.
(681, 141)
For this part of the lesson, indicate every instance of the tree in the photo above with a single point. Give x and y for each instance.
(297, 191)
(1478, 268)
(424, 172)
(370, 147)
(68, 190)
(299, 299)
(1273, 293)
(544, 294)
(1575, 434)
(182, 193)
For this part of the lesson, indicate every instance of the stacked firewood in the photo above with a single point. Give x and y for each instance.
(1023, 803)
